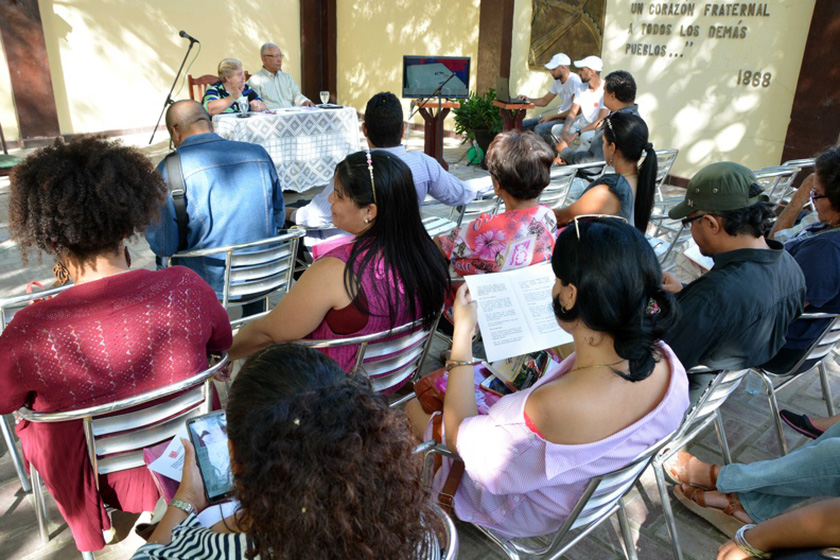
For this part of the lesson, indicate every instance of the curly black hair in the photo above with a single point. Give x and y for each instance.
(323, 467)
(828, 170)
(755, 220)
(82, 198)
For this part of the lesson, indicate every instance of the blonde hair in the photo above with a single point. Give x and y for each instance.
(227, 67)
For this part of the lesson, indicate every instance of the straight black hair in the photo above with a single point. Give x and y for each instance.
(396, 236)
(629, 133)
(384, 120)
(828, 169)
(619, 289)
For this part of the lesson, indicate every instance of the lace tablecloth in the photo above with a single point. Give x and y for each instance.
(305, 144)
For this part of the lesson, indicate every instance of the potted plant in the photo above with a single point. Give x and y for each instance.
(478, 119)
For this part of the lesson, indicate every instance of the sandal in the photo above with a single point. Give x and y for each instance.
(722, 519)
(801, 423)
(679, 464)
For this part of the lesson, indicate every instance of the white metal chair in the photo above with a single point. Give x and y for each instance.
(557, 191)
(253, 271)
(664, 234)
(812, 356)
(487, 203)
(777, 181)
(8, 307)
(447, 550)
(389, 358)
(602, 497)
(697, 419)
(117, 432)
(664, 161)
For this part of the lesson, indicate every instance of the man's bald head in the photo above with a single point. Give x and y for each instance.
(187, 118)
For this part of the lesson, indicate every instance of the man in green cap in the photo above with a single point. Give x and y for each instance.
(736, 315)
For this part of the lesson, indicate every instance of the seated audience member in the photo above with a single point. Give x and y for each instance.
(735, 316)
(322, 468)
(383, 126)
(276, 88)
(587, 110)
(233, 196)
(730, 496)
(115, 333)
(224, 95)
(630, 190)
(817, 251)
(389, 275)
(519, 165)
(566, 83)
(528, 459)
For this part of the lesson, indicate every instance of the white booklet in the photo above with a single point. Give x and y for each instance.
(514, 311)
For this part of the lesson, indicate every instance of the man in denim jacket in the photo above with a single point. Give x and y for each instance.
(232, 190)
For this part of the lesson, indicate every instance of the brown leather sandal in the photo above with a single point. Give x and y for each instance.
(679, 464)
(723, 519)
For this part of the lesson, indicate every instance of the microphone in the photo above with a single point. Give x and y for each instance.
(186, 35)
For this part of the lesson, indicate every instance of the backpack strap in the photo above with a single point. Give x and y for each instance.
(178, 190)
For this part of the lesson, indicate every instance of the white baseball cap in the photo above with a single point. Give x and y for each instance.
(558, 59)
(592, 62)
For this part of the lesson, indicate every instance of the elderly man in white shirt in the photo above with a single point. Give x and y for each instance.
(276, 88)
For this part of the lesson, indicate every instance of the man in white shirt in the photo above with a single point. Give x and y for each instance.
(566, 84)
(588, 108)
(276, 88)
(383, 127)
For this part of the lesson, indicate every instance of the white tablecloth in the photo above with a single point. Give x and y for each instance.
(305, 144)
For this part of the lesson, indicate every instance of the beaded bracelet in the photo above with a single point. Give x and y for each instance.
(741, 541)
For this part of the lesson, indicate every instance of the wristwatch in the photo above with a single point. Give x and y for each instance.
(183, 506)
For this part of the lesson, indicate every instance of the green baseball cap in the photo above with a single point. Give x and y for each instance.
(719, 186)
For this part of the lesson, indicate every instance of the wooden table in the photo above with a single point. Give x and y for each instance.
(513, 114)
(433, 114)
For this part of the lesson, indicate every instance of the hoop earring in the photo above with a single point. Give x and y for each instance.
(127, 256)
(62, 275)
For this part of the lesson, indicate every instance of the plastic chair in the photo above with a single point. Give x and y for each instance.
(602, 497)
(389, 358)
(697, 419)
(199, 85)
(8, 307)
(117, 432)
(253, 271)
(814, 355)
(664, 161)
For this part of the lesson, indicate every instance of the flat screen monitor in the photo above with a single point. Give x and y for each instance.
(422, 75)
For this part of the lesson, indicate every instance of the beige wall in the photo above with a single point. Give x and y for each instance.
(691, 100)
(373, 36)
(112, 63)
(8, 117)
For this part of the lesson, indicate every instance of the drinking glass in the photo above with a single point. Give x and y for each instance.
(244, 105)
(325, 97)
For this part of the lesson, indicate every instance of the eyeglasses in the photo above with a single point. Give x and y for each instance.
(686, 222)
(816, 196)
(583, 218)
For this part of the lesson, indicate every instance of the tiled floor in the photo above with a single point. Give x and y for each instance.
(747, 421)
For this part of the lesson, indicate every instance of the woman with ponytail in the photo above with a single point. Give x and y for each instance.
(528, 459)
(629, 191)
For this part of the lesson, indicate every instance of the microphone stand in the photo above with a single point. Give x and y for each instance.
(436, 93)
(169, 101)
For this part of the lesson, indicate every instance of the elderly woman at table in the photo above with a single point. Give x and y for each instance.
(116, 333)
(223, 96)
(390, 274)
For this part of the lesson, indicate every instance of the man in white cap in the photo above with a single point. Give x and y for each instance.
(566, 83)
(588, 108)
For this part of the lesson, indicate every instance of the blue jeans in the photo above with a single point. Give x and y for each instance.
(769, 488)
(541, 129)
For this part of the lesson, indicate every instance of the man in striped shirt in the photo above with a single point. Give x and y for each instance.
(383, 127)
(276, 88)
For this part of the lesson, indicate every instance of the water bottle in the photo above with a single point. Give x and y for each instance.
(754, 384)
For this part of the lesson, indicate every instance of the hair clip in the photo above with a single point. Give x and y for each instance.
(296, 422)
(370, 169)
(652, 307)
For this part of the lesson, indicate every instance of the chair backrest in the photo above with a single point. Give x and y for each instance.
(559, 185)
(776, 181)
(199, 85)
(823, 344)
(664, 161)
(804, 163)
(117, 432)
(488, 203)
(447, 550)
(389, 358)
(725, 382)
(10, 306)
(253, 270)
